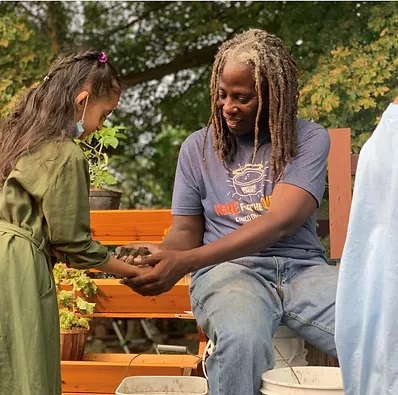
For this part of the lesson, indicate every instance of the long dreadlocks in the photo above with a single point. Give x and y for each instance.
(274, 67)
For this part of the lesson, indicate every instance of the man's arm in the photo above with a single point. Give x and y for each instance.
(186, 233)
(291, 206)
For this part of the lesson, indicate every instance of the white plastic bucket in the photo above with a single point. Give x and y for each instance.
(314, 380)
(162, 385)
(291, 347)
(288, 344)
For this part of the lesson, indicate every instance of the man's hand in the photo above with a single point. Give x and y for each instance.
(167, 268)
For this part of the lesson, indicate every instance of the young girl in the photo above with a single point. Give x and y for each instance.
(44, 210)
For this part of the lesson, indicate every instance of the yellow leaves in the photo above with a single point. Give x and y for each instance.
(30, 57)
(338, 70)
(340, 52)
(9, 100)
(363, 103)
(23, 59)
(360, 62)
(23, 31)
(384, 89)
(330, 103)
(349, 87)
(5, 83)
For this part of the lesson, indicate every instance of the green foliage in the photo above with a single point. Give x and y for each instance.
(95, 150)
(71, 305)
(23, 59)
(353, 84)
(148, 181)
(69, 320)
(164, 51)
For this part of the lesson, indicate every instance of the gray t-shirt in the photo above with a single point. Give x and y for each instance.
(230, 197)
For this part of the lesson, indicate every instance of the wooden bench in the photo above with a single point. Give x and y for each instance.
(101, 373)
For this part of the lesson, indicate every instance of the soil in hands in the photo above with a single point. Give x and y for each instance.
(125, 254)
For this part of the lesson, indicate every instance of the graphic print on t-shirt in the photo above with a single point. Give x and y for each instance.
(247, 186)
(248, 181)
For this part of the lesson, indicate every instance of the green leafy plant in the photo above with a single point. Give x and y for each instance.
(73, 303)
(95, 150)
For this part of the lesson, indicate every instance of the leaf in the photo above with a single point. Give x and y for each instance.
(83, 322)
(110, 179)
(84, 307)
(66, 298)
(113, 142)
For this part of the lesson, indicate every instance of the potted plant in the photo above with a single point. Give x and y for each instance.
(95, 150)
(74, 288)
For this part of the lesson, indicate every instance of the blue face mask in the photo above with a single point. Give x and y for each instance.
(79, 129)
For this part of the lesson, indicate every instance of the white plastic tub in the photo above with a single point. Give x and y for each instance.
(314, 380)
(162, 385)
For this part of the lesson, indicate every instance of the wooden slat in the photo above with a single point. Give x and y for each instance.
(202, 341)
(189, 361)
(117, 300)
(102, 373)
(99, 221)
(339, 176)
(120, 227)
(91, 393)
(141, 315)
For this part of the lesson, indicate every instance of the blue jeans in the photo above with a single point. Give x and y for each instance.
(240, 304)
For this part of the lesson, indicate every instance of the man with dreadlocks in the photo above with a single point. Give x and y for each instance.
(245, 197)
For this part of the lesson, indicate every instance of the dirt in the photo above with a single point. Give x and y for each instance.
(125, 254)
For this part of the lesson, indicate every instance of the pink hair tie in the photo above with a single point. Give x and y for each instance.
(102, 58)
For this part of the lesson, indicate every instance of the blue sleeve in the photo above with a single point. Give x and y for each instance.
(186, 195)
(308, 168)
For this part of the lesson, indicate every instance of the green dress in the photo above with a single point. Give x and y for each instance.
(43, 205)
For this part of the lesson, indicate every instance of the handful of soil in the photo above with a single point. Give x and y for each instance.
(125, 254)
(128, 255)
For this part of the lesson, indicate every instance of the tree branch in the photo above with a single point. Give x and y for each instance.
(146, 14)
(31, 14)
(188, 60)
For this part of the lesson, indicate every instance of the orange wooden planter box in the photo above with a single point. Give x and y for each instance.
(119, 301)
(102, 373)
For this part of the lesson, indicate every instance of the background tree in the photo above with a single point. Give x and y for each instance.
(164, 51)
(352, 84)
